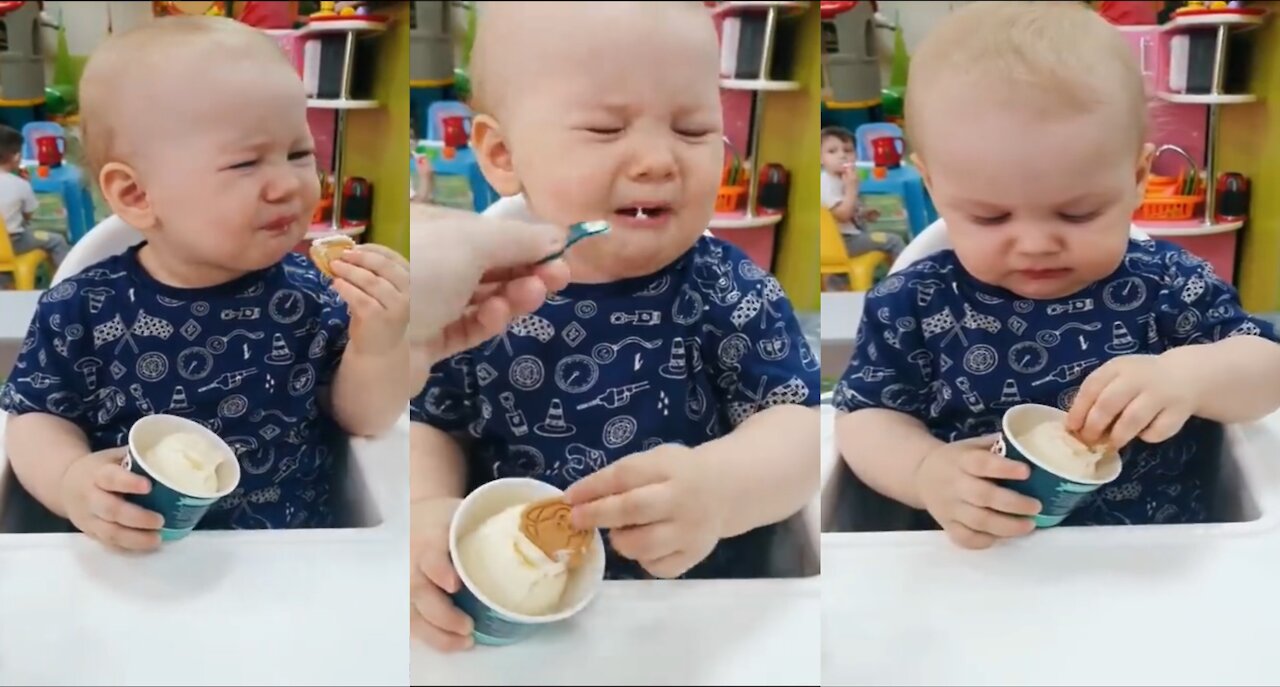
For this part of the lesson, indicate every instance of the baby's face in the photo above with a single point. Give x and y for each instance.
(231, 173)
(836, 154)
(623, 123)
(1038, 206)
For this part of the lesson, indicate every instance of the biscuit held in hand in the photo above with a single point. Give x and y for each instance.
(548, 525)
(324, 251)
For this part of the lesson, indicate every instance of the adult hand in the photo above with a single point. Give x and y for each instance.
(471, 275)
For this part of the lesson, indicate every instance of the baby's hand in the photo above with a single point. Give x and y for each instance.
(374, 281)
(90, 489)
(661, 505)
(954, 482)
(850, 178)
(433, 618)
(1133, 396)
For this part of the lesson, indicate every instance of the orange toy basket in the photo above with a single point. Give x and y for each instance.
(730, 197)
(1172, 199)
(1165, 200)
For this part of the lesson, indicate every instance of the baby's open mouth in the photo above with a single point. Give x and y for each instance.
(645, 211)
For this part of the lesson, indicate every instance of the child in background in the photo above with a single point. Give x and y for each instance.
(18, 203)
(669, 387)
(1030, 122)
(196, 130)
(839, 194)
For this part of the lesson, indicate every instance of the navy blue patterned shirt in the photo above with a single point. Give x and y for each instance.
(602, 371)
(248, 359)
(955, 353)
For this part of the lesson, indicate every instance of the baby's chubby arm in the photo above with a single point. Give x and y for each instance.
(370, 388)
(884, 439)
(766, 469)
(1235, 380)
(437, 484)
(41, 447)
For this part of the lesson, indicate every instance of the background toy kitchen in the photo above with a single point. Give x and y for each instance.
(1208, 66)
(769, 87)
(350, 55)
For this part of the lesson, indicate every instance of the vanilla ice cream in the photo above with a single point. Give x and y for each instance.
(509, 569)
(1055, 447)
(188, 462)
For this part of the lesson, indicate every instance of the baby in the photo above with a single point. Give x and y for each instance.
(668, 387)
(196, 131)
(839, 194)
(1029, 119)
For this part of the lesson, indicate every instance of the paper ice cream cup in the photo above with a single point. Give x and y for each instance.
(497, 626)
(1059, 494)
(181, 511)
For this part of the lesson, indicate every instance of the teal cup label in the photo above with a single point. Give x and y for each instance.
(1058, 495)
(491, 627)
(181, 511)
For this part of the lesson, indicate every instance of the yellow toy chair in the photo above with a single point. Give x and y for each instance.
(834, 259)
(26, 268)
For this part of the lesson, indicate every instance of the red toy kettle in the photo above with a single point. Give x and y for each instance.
(885, 151)
(49, 150)
(454, 131)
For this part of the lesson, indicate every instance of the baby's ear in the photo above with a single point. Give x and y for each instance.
(494, 155)
(124, 193)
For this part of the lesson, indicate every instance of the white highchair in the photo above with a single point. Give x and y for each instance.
(109, 237)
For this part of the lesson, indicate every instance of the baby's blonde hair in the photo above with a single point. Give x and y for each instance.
(492, 45)
(1056, 57)
(119, 76)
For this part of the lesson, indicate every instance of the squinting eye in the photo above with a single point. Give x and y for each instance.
(990, 221)
(693, 133)
(300, 155)
(1079, 219)
(605, 131)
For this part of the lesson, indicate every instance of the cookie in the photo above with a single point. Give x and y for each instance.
(326, 250)
(548, 525)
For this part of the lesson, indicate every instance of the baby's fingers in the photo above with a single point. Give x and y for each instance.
(987, 521)
(1136, 416)
(124, 538)
(114, 478)
(983, 494)
(967, 538)
(988, 465)
(111, 508)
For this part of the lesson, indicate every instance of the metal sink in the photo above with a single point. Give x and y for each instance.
(20, 513)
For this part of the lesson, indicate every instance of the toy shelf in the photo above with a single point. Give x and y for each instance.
(741, 220)
(1245, 21)
(342, 104)
(353, 30)
(740, 5)
(1186, 228)
(343, 25)
(1219, 24)
(759, 85)
(1208, 98)
(751, 216)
